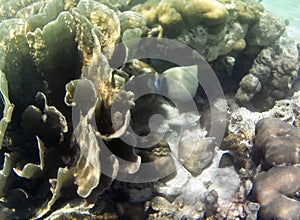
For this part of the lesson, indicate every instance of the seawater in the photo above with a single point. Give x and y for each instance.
(289, 11)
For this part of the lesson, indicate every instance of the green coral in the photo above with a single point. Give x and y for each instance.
(18, 65)
(10, 9)
(8, 107)
(131, 20)
(44, 45)
(49, 13)
(99, 14)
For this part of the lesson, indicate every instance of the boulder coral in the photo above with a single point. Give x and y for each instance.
(277, 192)
(277, 141)
(176, 16)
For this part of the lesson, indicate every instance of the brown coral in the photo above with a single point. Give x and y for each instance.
(277, 142)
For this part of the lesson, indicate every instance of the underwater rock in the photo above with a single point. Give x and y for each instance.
(161, 205)
(249, 86)
(78, 211)
(195, 152)
(277, 142)
(277, 193)
(276, 68)
(159, 155)
(240, 138)
(187, 192)
(134, 211)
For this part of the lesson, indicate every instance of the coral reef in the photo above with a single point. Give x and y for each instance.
(175, 16)
(262, 33)
(31, 57)
(249, 86)
(244, 28)
(260, 141)
(211, 46)
(44, 121)
(277, 141)
(132, 20)
(277, 144)
(271, 77)
(8, 107)
(66, 145)
(278, 187)
(242, 123)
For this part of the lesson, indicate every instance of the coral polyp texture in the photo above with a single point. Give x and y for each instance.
(277, 147)
(66, 144)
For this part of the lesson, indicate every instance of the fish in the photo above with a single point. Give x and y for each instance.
(178, 84)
